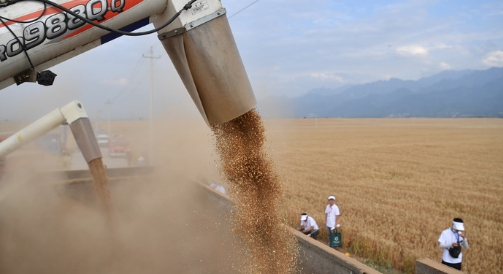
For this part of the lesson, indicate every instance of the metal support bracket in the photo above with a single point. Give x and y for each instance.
(29, 75)
(192, 25)
(205, 19)
(172, 33)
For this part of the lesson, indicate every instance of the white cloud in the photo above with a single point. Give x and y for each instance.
(496, 13)
(494, 59)
(445, 66)
(440, 46)
(412, 51)
(324, 76)
(121, 82)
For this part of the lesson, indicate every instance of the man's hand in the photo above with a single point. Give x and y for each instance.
(462, 235)
(455, 244)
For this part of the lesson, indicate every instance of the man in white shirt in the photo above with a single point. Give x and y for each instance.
(451, 240)
(332, 212)
(308, 226)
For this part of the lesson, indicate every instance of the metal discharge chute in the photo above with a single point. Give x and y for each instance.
(207, 59)
(35, 36)
(74, 115)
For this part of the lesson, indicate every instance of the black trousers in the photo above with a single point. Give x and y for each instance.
(314, 234)
(456, 266)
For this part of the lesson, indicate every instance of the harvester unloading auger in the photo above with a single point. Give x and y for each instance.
(38, 34)
(76, 117)
(72, 114)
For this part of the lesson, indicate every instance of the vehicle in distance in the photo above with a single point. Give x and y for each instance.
(118, 146)
(102, 140)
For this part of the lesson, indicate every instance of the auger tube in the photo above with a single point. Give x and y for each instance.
(74, 115)
(199, 42)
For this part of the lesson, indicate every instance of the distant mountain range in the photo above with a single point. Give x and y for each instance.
(466, 93)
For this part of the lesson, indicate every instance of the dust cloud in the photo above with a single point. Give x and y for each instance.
(164, 223)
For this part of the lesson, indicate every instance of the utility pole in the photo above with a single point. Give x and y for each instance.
(109, 132)
(151, 122)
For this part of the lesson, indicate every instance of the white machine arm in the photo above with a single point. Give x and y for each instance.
(73, 114)
(199, 42)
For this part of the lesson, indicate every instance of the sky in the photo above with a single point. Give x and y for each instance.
(288, 48)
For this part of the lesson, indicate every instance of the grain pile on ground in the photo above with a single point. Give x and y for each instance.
(256, 189)
(100, 182)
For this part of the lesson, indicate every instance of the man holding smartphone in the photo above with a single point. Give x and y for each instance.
(451, 240)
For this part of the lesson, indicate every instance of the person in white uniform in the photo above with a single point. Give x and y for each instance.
(451, 240)
(308, 226)
(332, 212)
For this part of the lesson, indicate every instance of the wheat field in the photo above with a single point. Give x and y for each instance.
(398, 184)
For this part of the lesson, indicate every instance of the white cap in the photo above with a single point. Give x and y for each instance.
(303, 217)
(458, 226)
(331, 198)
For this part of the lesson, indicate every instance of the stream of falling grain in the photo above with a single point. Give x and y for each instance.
(100, 182)
(256, 189)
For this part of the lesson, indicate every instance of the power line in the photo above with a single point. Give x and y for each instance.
(151, 124)
(243, 9)
(130, 79)
(108, 103)
(133, 90)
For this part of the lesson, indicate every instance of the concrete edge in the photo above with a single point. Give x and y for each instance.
(319, 248)
(429, 266)
(85, 174)
(333, 254)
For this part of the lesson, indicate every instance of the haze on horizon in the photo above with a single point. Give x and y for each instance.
(288, 48)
